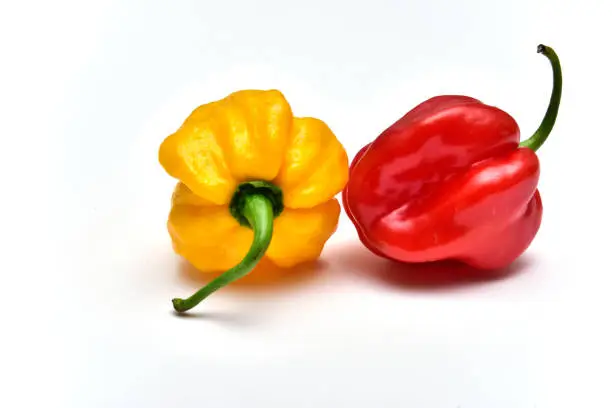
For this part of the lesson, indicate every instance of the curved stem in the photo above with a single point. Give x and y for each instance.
(258, 211)
(540, 135)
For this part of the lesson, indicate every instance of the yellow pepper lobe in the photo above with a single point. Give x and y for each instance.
(300, 234)
(255, 130)
(315, 167)
(205, 234)
(193, 155)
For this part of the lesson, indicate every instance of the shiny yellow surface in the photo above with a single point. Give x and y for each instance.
(252, 135)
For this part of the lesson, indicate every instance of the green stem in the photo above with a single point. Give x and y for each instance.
(540, 135)
(258, 210)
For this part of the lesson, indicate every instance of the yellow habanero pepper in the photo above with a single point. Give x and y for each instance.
(247, 167)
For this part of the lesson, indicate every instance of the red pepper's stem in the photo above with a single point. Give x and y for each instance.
(258, 210)
(540, 135)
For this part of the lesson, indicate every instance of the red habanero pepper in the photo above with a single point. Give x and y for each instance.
(451, 180)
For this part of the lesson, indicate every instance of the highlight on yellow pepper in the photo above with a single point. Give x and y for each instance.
(253, 181)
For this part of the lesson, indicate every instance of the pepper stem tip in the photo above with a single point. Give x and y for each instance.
(179, 305)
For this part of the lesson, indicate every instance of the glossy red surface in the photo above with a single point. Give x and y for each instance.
(446, 181)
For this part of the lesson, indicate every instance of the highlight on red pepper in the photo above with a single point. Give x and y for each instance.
(451, 180)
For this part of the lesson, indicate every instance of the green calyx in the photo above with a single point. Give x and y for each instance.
(255, 204)
(548, 122)
(247, 189)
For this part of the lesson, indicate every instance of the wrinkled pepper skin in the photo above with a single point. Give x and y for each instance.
(448, 180)
(249, 136)
(252, 135)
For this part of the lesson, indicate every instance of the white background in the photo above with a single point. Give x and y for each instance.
(90, 89)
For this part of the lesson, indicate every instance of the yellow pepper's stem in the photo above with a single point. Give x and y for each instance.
(258, 210)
